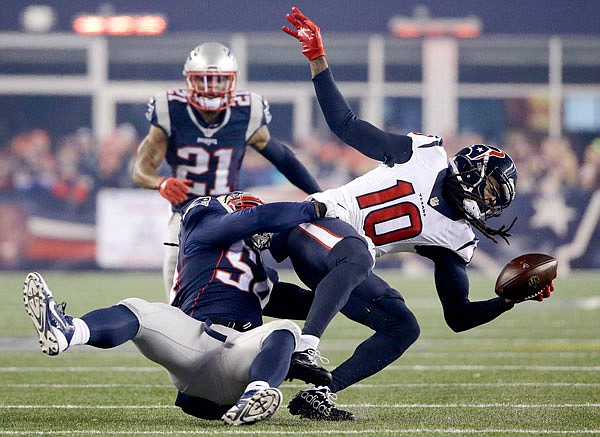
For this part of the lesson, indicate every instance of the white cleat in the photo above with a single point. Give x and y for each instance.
(54, 328)
(253, 406)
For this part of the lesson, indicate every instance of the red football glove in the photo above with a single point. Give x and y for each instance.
(307, 32)
(545, 294)
(174, 190)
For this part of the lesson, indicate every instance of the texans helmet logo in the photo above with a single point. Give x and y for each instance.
(483, 151)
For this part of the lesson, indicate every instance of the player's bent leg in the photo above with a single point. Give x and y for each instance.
(381, 308)
(273, 361)
(170, 338)
(349, 263)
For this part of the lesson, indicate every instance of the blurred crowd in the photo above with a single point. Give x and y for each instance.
(64, 174)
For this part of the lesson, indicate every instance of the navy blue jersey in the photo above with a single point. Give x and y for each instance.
(209, 155)
(219, 275)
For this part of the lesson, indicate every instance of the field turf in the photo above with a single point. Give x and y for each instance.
(533, 371)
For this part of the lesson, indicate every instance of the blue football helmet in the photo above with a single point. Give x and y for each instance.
(481, 182)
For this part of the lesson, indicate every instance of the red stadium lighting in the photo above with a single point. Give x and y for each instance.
(89, 25)
(151, 25)
(421, 24)
(120, 25)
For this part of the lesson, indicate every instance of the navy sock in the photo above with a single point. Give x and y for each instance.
(273, 361)
(110, 327)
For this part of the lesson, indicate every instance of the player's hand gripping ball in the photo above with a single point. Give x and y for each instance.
(527, 277)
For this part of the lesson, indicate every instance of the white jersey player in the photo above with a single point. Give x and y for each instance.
(397, 208)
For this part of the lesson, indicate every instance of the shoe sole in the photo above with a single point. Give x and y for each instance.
(261, 406)
(35, 298)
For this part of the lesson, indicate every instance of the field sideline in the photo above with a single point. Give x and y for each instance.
(533, 371)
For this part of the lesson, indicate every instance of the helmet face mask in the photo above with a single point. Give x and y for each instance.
(482, 180)
(240, 200)
(211, 77)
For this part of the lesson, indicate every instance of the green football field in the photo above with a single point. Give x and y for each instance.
(533, 371)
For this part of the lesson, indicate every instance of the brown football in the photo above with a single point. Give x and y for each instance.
(526, 276)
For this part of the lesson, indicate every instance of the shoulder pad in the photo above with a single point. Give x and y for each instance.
(197, 202)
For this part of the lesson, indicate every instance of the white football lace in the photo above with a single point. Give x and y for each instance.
(316, 356)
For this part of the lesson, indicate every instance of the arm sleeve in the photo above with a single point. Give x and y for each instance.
(369, 140)
(225, 229)
(452, 284)
(286, 162)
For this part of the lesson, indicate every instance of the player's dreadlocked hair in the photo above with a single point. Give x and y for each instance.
(454, 192)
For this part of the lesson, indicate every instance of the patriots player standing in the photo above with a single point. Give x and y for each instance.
(202, 132)
(224, 362)
(415, 201)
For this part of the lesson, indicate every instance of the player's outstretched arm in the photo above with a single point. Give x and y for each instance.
(309, 35)
(363, 136)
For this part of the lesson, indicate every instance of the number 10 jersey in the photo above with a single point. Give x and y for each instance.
(398, 208)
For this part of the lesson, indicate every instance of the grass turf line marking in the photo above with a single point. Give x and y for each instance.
(418, 367)
(159, 407)
(314, 432)
(378, 386)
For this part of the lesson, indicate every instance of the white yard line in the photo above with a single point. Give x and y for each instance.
(417, 367)
(160, 407)
(408, 431)
(355, 386)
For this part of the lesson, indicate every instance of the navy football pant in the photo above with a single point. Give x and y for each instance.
(371, 302)
(331, 272)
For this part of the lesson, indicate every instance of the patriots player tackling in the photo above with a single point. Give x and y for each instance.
(202, 132)
(417, 201)
(223, 360)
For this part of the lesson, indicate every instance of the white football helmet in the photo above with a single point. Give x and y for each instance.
(211, 77)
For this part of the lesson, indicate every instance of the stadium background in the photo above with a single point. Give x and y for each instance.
(72, 113)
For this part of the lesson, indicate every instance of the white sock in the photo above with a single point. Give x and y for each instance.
(257, 385)
(307, 342)
(81, 334)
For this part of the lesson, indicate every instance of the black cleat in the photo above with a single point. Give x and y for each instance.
(317, 404)
(304, 366)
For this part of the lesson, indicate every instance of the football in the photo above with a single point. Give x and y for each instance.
(526, 276)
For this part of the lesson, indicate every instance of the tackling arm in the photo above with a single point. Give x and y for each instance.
(284, 160)
(225, 229)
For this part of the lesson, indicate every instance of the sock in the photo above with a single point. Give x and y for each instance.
(307, 342)
(273, 361)
(110, 327)
(257, 385)
(81, 334)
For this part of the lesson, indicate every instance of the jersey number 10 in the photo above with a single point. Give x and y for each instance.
(388, 224)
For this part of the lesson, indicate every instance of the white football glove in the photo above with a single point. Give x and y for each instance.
(334, 209)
